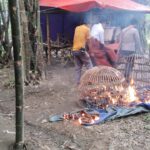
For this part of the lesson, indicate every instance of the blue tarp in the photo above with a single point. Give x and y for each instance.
(110, 113)
(63, 24)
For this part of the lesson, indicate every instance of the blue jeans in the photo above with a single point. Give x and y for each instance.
(129, 63)
(80, 60)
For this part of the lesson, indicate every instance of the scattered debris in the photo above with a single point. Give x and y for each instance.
(70, 146)
(44, 121)
(8, 132)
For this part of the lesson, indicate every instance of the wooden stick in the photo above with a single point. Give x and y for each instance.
(48, 39)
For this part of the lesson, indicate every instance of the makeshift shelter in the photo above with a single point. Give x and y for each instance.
(67, 21)
(62, 16)
(85, 5)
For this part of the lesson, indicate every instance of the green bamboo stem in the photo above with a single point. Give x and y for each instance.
(18, 68)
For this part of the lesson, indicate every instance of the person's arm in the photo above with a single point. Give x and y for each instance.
(138, 46)
(87, 39)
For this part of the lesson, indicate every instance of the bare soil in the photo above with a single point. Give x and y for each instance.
(56, 95)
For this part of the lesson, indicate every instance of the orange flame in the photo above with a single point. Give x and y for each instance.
(80, 121)
(132, 94)
(96, 118)
(92, 119)
(131, 82)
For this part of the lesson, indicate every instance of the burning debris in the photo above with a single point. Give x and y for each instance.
(88, 118)
(83, 116)
(105, 86)
(106, 95)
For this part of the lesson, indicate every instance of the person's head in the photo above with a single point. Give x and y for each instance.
(82, 21)
(133, 22)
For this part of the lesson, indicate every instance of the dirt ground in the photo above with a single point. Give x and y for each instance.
(58, 94)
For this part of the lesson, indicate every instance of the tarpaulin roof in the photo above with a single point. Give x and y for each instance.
(85, 5)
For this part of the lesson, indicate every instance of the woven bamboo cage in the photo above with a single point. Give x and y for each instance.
(101, 84)
(141, 69)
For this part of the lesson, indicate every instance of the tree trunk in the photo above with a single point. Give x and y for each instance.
(37, 60)
(41, 63)
(18, 68)
(27, 50)
(4, 37)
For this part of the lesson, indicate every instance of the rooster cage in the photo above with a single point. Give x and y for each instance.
(102, 86)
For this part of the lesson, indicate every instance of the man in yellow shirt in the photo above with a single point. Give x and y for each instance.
(81, 57)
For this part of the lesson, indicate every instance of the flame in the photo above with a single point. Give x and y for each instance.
(131, 82)
(132, 94)
(113, 101)
(80, 121)
(96, 118)
(92, 121)
(83, 114)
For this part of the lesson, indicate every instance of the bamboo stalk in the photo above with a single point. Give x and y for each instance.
(48, 38)
(41, 63)
(18, 68)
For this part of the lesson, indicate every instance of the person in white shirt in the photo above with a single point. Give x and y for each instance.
(96, 41)
(97, 32)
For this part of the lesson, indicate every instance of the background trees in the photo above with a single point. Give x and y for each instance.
(5, 40)
(27, 50)
(31, 38)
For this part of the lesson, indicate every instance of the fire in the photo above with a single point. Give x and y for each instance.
(113, 101)
(80, 121)
(132, 94)
(88, 118)
(96, 118)
(132, 82)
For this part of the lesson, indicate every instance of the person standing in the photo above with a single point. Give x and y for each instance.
(97, 32)
(100, 54)
(130, 44)
(81, 57)
(96, 41)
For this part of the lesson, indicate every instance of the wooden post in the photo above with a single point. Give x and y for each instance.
(48, 39)
(18, 68)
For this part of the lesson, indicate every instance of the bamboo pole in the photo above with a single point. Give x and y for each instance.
(41, 63)
(48, 38)
(18, 68)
